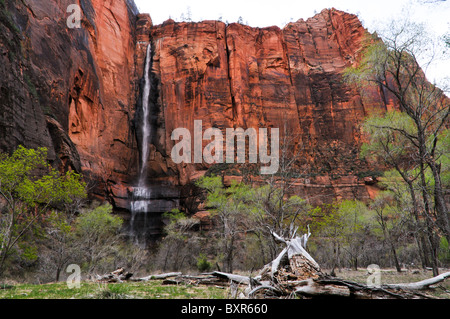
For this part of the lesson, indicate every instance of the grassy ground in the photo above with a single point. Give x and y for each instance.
(156, 290)
(129, 290)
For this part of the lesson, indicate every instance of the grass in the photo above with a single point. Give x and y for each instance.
(129, 290)
(154, 289)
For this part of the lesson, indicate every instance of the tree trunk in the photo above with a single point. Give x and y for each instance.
(58, 273)
(441, 207)
(394, 255)
(388, 238)
(335, 259)
(420, 238)
(433, 250)
(355, 263)
(427, 210)
(159, 276)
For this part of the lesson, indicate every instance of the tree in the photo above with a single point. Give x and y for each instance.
(60, 243)
(387, 145)
(243, 210)
(188, 14)
(354, 219)
(327, 222)
(180, 244)
(271, 209)
(29, 186)
(392, 66)
(231, 211)
(98, 235)
(390, 219)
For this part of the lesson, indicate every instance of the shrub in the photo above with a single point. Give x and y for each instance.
(203, 265)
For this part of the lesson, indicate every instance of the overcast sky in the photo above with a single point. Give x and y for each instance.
(262, 13)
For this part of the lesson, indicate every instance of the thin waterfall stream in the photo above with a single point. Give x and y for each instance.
(141, 195)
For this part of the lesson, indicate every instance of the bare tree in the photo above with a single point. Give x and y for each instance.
(393, 66)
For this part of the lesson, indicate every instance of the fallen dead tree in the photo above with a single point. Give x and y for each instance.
(119, 276)
(116, 276)
(158, 276)
(292, 274)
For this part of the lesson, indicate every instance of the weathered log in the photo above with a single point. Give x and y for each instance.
(310, 287)
(420, 285)
(236, 278)
(361, 291)
(159, 276)
(120, 275)
(207, 280)
(116, 276)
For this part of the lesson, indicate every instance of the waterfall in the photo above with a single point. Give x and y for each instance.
(145, 116)
(141, 195)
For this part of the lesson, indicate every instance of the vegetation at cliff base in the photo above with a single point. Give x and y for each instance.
(29, 186)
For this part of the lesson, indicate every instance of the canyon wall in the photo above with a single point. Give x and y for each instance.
(76, 91)
(72, 90)
(234, 75)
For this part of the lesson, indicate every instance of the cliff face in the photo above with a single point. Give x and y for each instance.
(77, 92)
(72, 90)
(291, 78)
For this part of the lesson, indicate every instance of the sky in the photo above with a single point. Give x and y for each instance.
(262, 13)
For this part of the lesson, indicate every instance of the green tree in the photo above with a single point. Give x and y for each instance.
(392, 66)
(391, 220)
(180, 244)
(273, 209)
(61, 246)
(29, 186)
(341, 231)
(98, 235)
(231, 211)
(244, 210)
(327, 222)
(355, 222)
(388, 145)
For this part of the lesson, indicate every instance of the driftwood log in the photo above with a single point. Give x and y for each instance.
(116, 276)
(120, 275)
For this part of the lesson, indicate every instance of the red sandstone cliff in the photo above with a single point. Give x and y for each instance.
(76, 91)
(72, 90)
(239, 76)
